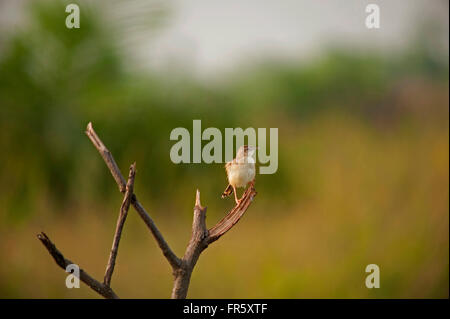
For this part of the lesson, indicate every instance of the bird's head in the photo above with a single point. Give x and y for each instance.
(246, 151)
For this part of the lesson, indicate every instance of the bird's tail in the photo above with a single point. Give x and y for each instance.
(228, 191)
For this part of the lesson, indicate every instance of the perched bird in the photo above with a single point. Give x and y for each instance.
(240, 171)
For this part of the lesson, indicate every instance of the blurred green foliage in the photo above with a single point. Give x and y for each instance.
(350, 124)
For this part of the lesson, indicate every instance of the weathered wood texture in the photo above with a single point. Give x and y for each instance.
(182, 268)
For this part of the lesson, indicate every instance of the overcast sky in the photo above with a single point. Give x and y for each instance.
(210, 36)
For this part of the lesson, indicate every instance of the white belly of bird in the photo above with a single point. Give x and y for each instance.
(240, 175)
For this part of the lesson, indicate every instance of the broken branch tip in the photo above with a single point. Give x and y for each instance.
(197, 198)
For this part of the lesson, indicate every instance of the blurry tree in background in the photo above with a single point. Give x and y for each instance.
(348, 120)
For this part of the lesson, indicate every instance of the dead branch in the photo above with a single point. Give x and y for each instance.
(201, 237)
(114, 169)
(232, 217)
(107, 156)
(120, 222)
(62, 262)
(182, 268)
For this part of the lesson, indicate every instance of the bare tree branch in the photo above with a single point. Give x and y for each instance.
(106, 154)
(110, 162)
(62, 262)
(233, 216)
(120, 222)
(167, 252)
(200, 239)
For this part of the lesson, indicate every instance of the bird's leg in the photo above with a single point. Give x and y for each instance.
(235, 196)
(252, 183)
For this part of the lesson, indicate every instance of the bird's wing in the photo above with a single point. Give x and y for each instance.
(228, 165)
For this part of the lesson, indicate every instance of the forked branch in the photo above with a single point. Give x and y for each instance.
(201, 238)
(62, 262)
(182, 268)
(120, 222)
(173, 260)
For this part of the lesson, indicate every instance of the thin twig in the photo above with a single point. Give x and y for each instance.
(173, 260)
(62, 262)
(120, 223)
(107, 156)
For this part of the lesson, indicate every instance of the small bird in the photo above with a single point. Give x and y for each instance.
(240, 171)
